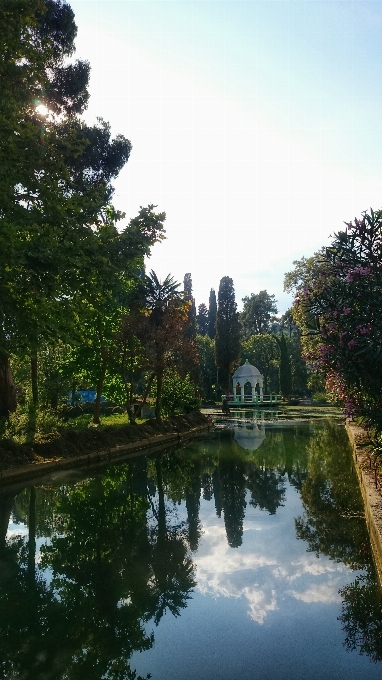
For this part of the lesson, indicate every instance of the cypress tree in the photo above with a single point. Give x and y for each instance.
(212, 310)
(202, 320)
(227, 348)
(191, 324)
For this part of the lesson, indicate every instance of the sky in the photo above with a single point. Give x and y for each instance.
(255, 125)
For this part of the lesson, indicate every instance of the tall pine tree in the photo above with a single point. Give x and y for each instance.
(227, 349)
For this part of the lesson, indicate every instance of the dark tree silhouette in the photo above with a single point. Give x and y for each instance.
(202, 320)
(233, 483)
(212, 310)
(266, 487)
(227, 348)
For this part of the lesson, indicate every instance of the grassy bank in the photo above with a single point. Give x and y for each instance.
(77, 438)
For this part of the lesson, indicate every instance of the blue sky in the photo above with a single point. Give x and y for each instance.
(256, 126)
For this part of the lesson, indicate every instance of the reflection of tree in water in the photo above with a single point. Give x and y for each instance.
(207, 486)
(296, 441)
(232, 484)
(46, 503)
(333, 522)
(334, 525)
(266, 487)
(217, 492)
(182, 472)
(172, 578)
(27, 643)
(361, 616)
(193, 505)
(285, 450)
(112, 571)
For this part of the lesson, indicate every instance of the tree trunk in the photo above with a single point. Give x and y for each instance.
(147, 390)
(97, 409)
(8, 401)
(34, 378)
(129, 401)
(158, 402)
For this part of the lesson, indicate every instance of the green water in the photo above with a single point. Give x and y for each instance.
(243, 555)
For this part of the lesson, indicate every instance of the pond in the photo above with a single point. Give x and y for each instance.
(243, 555)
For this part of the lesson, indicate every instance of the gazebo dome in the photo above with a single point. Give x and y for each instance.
(246, 371)
(247, 374)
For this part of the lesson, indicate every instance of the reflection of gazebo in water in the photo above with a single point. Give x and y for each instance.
(247, 383)
(249, 436)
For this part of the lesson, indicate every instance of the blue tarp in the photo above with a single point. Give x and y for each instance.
(84, 396)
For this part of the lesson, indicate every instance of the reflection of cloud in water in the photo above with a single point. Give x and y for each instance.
(258, 604)
(262, 578)
(314, 567)
(249, 435)
(325, 593)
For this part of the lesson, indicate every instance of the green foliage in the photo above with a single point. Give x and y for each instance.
(298, 365)
(338, 295)
(25, 425)
(159, 293)
(163, 332)
(285, 369)
(179, 395)
(55, 180)
(258, 310)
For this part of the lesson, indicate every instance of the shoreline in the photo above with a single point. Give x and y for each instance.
(88, 461)
(85, 449)
(371, 492)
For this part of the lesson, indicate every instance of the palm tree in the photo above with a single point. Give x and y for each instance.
(159, 293)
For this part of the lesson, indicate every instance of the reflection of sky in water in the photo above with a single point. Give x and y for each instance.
(269, 566)
(19, 529)
(264, 611)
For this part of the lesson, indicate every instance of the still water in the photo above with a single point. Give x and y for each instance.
(240, 556)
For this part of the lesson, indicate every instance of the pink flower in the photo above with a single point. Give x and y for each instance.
(352, 344)
(346, 310)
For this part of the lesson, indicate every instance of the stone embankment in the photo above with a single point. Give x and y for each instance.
(371, 487)
(83, 449)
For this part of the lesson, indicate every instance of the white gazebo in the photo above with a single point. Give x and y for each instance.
(243, 375)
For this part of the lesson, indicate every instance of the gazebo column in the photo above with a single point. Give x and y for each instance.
(242, 393)
(253, 385)
(261, 389)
